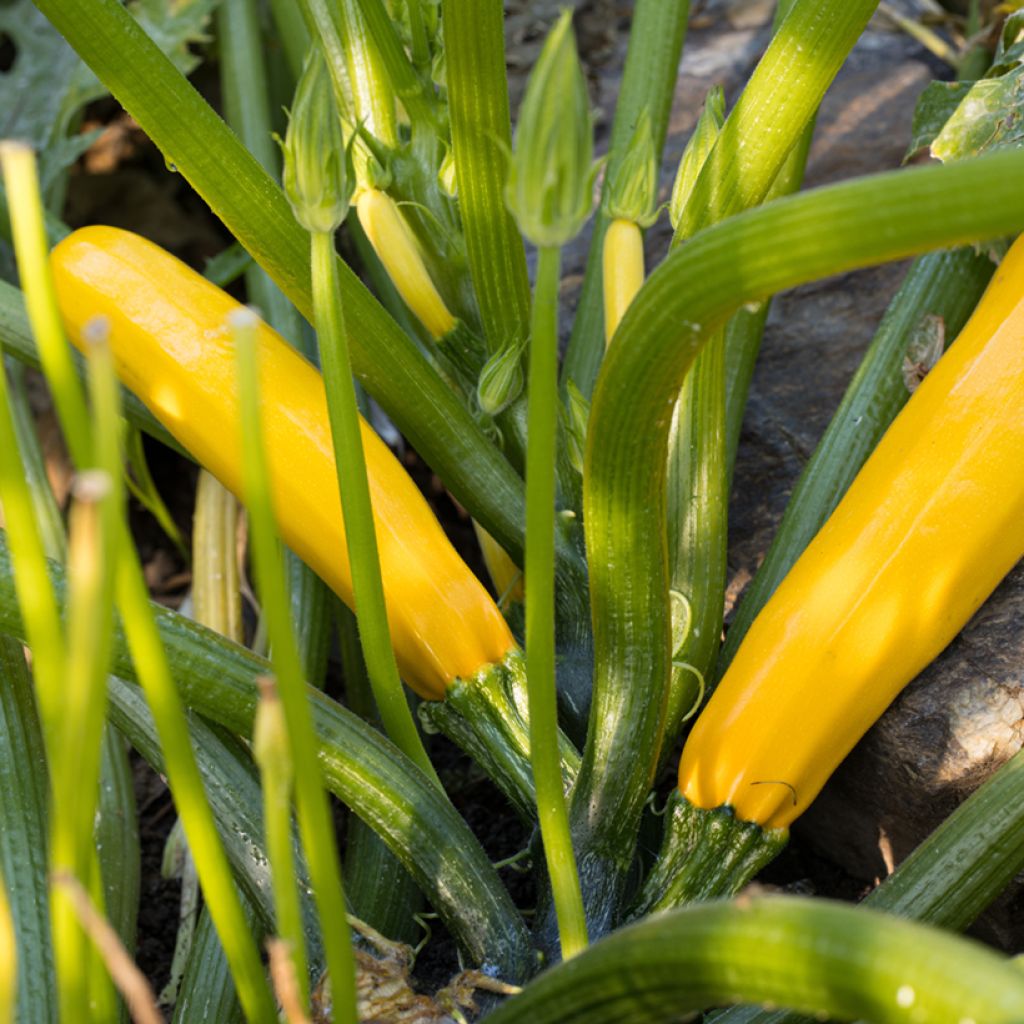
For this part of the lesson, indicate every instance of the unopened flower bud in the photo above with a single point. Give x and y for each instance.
(551, 173)
(318, 178)
(501, 380)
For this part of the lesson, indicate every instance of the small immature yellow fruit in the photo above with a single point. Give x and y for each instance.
(396, 247)
(623, 271)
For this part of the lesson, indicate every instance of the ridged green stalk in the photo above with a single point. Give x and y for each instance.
(951, 877)
(824, 958)
(478, 108)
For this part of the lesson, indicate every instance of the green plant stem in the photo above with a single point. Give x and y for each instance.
(355, 66)
(542, 414)
(360, 530)
(151, 663)
(76, 757)
(648, 81)
(380, 891)
(811, 44)
(270, 747)
(745, 330)
(32, 248)
(247, 109)
(943, 284)
(195, 140)
(23, 839)
(292, 32)
(478, 107)
(402, 78)
(315, 824)
(824, 958)
(702, 449)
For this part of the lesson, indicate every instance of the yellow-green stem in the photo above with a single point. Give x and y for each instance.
(28, 227)
(360, 532)
(194, 810)
(316, 826)
(540, 606)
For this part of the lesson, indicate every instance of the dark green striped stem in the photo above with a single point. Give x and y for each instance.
(621, 516)
(233, 789)
(478, 109)
(24, 798)
(487, 717)
(648, 82)
(943, 284)
(117, 838)
(217, 679)
(820, 957)
(698, 499)
(740, 260)
(701, 454)
(705, 855)
(207, 994)
(380, 891)
(746, 328)
(203, 149)
(952, 876)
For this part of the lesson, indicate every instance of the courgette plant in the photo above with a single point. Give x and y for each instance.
(598, 488)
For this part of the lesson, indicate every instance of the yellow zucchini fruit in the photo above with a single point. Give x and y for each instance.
(396, 247)
(173, 348)
(623, 271)
(926, 531)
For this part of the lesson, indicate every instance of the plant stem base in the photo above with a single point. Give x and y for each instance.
(705, 854)
(487, 717)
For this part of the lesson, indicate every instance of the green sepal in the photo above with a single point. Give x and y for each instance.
(705, 855)
(632, 192)
(487, 717)
(701, 142)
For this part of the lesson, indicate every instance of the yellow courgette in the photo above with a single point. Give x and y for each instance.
(924, 534)
(168, 330)
(623, 271)
(396, 247)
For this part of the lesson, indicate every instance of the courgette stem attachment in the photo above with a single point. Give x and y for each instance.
(488, 717)
(705, 854)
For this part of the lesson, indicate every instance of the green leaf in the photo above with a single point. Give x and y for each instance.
(935, 106)
(990, 117)
(964, 119)
(48, 84)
